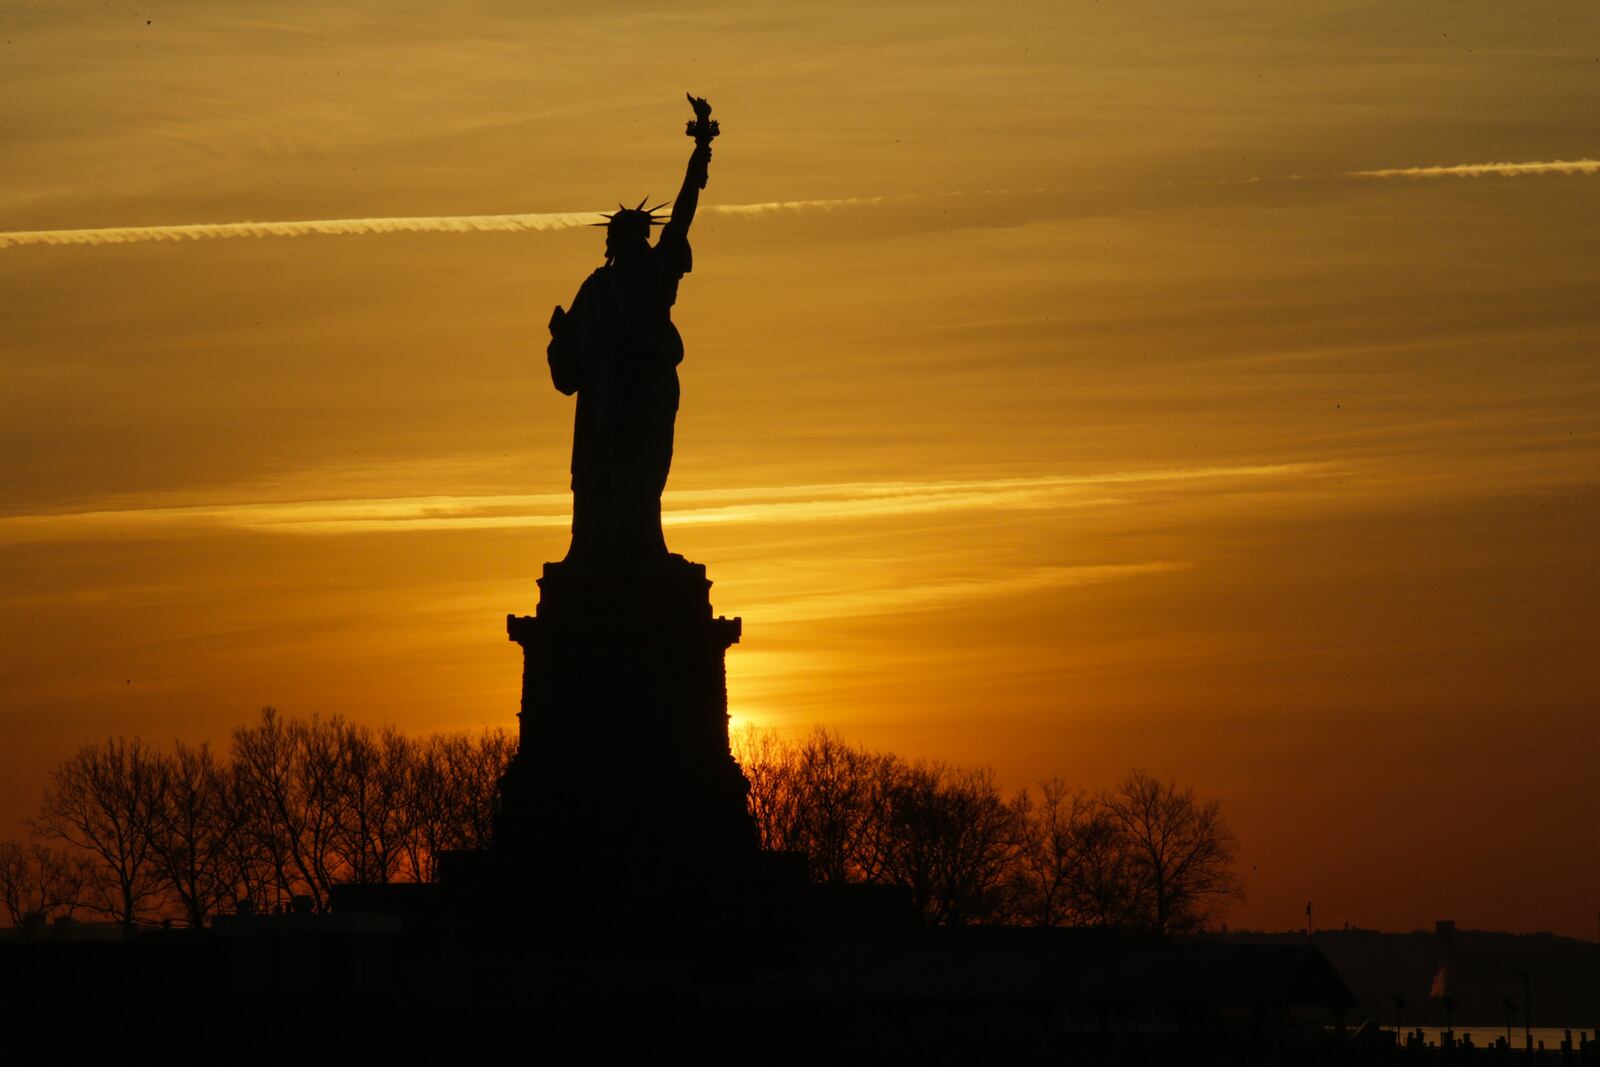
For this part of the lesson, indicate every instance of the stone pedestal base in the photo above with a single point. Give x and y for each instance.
(624, 776)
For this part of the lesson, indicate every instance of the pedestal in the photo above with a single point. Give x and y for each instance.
(624, 779)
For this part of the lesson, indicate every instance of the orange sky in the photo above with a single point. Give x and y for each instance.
(1111, 420)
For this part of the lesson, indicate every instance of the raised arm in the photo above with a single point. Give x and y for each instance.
(703, 129)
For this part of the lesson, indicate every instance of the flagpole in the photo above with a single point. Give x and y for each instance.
(1527, 1007)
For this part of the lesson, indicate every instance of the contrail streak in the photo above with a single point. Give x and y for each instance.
(566, 220)
(553, 220)
(1482, 170)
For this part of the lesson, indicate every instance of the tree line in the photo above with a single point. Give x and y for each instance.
(1144, 855)
(128, 832)
(133, 834)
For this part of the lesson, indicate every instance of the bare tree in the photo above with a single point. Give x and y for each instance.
(950, 840)
(288, 774)
(841, 807)
(770, 765)
(1046, 856)
(1180, 853)
(103, 800)
(325, 801)
(38, 883)
(254, 854)
(477, 767)
(821, 797)
(16, 883)
(430, 786)
(453, 786)
(1100, 886)
(1072, 866)
(317, 779)
(373, 814)
(17, 893)
(190, 830)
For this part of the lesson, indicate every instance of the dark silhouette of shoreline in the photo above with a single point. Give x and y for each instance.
(1483, 973)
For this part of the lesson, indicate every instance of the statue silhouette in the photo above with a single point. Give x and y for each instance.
(618, 349)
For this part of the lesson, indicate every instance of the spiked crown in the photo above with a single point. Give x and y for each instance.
(633, 223)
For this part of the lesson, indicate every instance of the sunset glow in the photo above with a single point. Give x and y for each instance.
(1203, 387)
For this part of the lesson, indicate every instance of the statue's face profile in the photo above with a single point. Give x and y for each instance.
(627, 233)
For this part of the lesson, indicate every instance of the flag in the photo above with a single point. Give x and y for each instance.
(1437, 990)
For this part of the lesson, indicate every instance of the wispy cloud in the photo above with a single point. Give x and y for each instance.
(564, 220)
(887, 600)
(1485, 170)
(844, 501)
(1566, 167)
(117, 235)
(521, 223)
(789, 207)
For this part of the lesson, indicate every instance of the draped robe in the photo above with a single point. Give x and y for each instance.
(618, 349)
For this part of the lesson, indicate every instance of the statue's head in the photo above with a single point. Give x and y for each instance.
(628, 230)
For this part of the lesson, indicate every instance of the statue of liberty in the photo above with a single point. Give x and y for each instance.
(618, 349)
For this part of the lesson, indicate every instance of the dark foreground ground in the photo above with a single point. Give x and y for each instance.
(833, 980)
